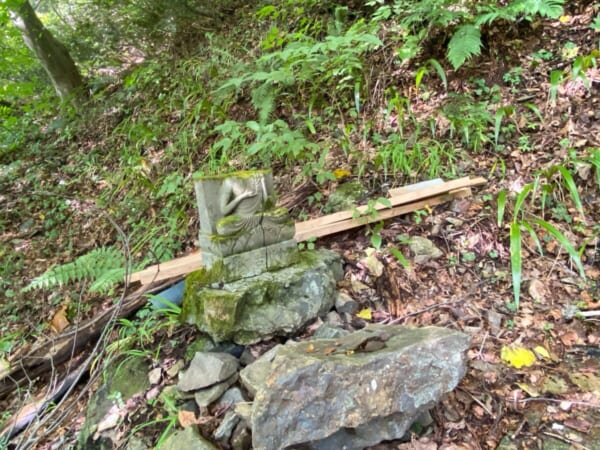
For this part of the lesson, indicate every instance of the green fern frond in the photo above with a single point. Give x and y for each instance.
(545, 8)
(465, 43)
(93, 266)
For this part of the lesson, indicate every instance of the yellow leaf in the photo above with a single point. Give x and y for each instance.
(364, 313)
(541, 352)
(564, 19)
(517, 356)
(340, 173)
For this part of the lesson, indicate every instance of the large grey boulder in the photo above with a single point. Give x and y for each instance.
(354, 391)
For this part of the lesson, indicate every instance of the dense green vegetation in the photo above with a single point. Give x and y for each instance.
(300, 84)
(388, 92)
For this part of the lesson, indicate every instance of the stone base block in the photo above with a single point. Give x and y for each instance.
(252, 263)
(273, 303)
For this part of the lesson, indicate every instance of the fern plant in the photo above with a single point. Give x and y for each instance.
(463, 19)
(103, 267)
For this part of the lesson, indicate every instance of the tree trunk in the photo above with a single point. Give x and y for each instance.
(53, 55)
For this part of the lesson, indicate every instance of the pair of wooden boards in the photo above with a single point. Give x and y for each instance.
(404, 200)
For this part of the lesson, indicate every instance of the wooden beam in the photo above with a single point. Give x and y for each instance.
(169, 269)
(399, 197)
(306, 230)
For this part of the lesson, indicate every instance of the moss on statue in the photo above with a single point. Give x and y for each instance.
(239, 174)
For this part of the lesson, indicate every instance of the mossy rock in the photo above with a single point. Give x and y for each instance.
(278, 302)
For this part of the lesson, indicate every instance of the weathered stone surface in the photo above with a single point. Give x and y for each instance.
(226, 427)
(205, 397)
(265, 234)
(346, 196)
(328, 331)
(241, 439)
(189, 437)
(371, 387)
(204, 343)
(238, 214)
(423, 249)
(269, 304)
(128, 377)
(345, 304)
(207, 369)
(209, 190)
(253, 262)
(230, 398)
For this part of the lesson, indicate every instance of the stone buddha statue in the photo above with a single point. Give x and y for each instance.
(242, 201)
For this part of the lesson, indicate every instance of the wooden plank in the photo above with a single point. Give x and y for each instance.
(305, 230)
(468, 182)
(169, 269)
(405, 196)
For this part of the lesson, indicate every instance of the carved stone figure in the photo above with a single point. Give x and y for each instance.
(241, 201)
(238, 215)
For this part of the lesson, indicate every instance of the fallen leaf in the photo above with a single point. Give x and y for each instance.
(310, 348)
(538, 291)
(517, 356)
(553, 384)
(372, 263)
(531, 390)
(364, 313)
(186, 418)
(541, 352)
(341, 173)
(59, 322)
(587, 382)
(581, 425)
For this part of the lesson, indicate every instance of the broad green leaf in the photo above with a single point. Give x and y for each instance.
(515, 261)
(419, 77)
(562, 240)
(534, 236)
(535, 110)
(521, 196)
(572, 188)
(400, 257)
(501, 205)
(440, 71)
(385, 202)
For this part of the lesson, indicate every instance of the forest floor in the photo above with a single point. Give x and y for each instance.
(550, 401)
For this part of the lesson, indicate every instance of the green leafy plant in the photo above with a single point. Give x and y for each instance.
(470, 119)
(102, 267)
(522, 220)
(419, 18)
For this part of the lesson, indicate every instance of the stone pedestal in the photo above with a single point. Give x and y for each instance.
(273, 303)
(255, 284)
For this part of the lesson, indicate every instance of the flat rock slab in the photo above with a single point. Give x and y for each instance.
(207, 369)
(354, 391)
